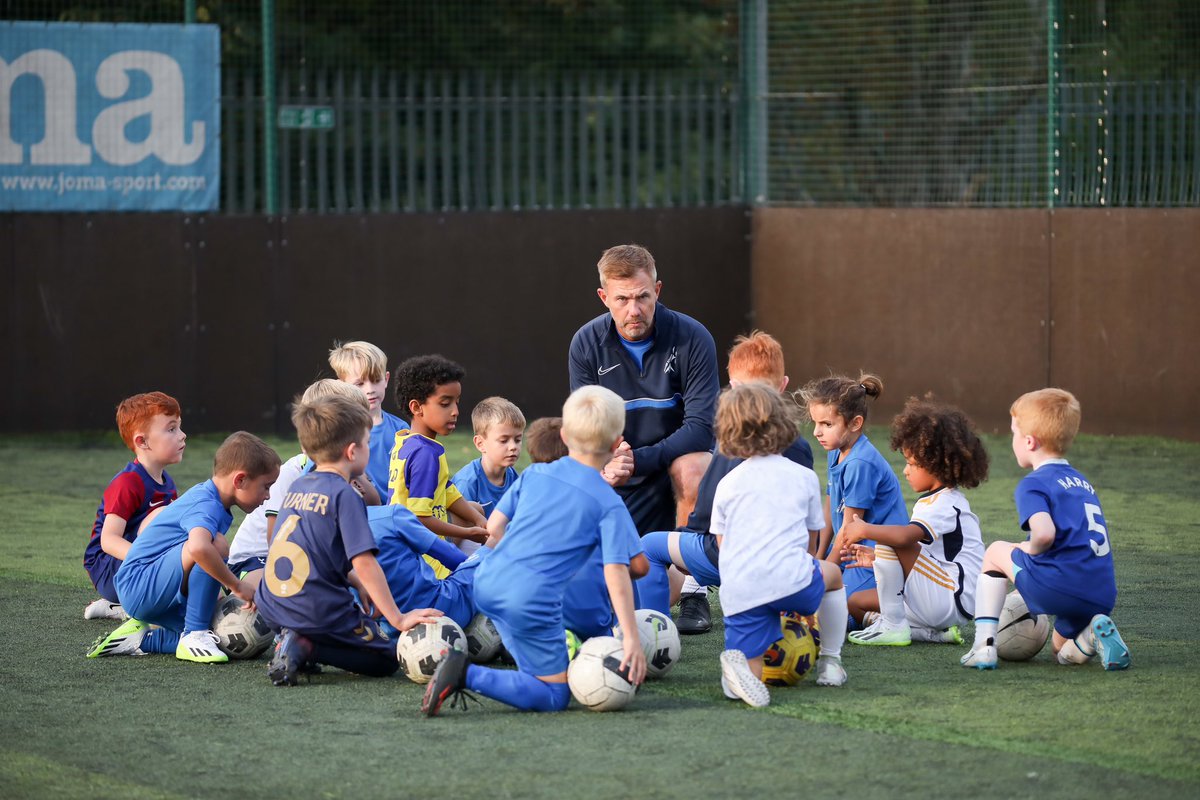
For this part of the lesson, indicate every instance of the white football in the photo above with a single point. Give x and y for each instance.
(1021, 634)
(596, 678)
(483, 640)
(660, 641)
(421, 648)
(240, 633)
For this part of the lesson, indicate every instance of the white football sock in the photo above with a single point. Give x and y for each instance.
(832, 616)
(989, 602)
(889, 585)
(690, 586)
(1072, 653)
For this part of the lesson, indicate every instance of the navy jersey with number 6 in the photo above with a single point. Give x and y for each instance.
(1079, 563)
(321, 527)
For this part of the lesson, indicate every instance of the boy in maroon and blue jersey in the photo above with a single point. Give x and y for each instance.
(150, 427)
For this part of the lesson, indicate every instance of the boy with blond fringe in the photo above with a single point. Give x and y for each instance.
(499, 427)
(1065, 567)
(364, 365)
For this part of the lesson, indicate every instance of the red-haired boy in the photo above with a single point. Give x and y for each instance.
(150, 427)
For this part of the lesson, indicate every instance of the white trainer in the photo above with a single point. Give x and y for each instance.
(729, 693)
(830, 671)
(881, 633)
(201, 647)
(981, 657)
(126, 640)
(737, 675)
(104, 609)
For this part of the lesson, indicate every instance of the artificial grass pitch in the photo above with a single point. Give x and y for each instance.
(910, 722)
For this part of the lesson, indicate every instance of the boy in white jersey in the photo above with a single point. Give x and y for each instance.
(925, 571)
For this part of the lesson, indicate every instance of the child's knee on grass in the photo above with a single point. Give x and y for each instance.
(861, 602)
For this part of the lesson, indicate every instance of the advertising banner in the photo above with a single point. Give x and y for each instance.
(109, 117)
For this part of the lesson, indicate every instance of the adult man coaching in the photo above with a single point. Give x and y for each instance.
(664, 365)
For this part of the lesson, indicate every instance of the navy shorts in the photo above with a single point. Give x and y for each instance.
(1072, 615)
(248, 565)
(102, 571)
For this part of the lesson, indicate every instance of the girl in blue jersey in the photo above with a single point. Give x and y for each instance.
(1065, 567)
(860, 482)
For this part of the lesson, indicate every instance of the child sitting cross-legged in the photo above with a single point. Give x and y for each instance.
(322, 548)
(175, 569)
(925, 571)
(764, 513)
(544, 529)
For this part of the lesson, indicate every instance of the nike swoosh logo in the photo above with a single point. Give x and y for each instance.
(159, 503)
(606, 370)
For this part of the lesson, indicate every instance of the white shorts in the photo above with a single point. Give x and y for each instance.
(933, 593)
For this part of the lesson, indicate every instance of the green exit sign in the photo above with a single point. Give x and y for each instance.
(306, 117)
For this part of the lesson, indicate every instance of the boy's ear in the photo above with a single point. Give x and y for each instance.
(783, 384)
(414, 406)
(239, 479)
(387, 377)
(478, 442)
(140, 439)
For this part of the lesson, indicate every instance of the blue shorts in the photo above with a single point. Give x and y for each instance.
(248, 565)
(456, 592)
(1072, 615)
(102, 571)
(529, 618)
(755, 630)
(152, 591)
(691, 548)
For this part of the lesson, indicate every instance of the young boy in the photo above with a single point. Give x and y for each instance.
(364, 365)
(559, 514)
(693, 550)
(248, 552)
(1065, 567)
(428, 389)
(499, 426)
(175, 569)
(150, 427)
(322, 548)
(587, 610)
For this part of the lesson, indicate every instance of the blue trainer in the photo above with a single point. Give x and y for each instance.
(1113, 652)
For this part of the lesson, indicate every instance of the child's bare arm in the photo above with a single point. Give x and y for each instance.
(112, 536)
(839, 536)
(639, 566)
(204, 552)
(371, 578)
(826, 534)
(892, 535)
(496, 524)
(620, 591)
(450, 530)
(1041, 534)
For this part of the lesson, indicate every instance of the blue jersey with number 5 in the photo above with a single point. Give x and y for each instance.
(1079, 563)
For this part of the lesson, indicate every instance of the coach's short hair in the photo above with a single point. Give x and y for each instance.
(134, 414)
(592, 419)
(328, 387)
(755, 419)
(245, 452)
(354, 360)
(1049, 415)
(625, 261)
(543, 440)
(758, 357)
(326, 426)
(495, 411)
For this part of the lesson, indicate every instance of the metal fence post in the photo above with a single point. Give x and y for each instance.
(270, 167)
(753, 65)
(1053, 141)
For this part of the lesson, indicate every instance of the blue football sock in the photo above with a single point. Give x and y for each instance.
(518, 689)
(203, 590)
(160, 640)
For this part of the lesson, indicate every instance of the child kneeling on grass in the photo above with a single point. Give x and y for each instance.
(175, 569)
(322, 548)
(764, 513)
(543, 531)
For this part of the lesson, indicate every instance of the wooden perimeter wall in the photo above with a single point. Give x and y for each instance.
(235, 315)
(979, 306)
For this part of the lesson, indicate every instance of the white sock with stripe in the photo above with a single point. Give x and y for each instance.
(989, 601)
(889, 585)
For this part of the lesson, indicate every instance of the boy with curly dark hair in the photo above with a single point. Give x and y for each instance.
(428, 390)
(925, 571)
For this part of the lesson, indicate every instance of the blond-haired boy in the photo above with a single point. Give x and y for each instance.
(323, 525)
(174, 570)
(364, 365)
(1065, 567)
(499, 427)
(546, 527)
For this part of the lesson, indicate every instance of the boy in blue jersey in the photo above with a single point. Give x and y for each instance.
(175, 569)
(499, 427)
(323, 548)
(587, 610)
(150, 427)
(364, 365)
(544, 529)
(428, 389)
(693, 549)
(1065, 567)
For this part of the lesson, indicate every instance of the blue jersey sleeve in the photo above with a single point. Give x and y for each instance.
(421, 474)
(1031, 498)
(352, 524)
(508, 503)
(860, 485)
(617, 536)
(211, 516)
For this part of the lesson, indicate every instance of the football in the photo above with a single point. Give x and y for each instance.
(793, 656)
(483, 640)
(421, 648)
(596, 678)
(1021, 634)
(660, 641)
(240, 633)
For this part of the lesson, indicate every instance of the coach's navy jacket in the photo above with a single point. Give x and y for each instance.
(671, 403)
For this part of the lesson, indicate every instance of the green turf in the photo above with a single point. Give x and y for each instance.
(909, 723)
